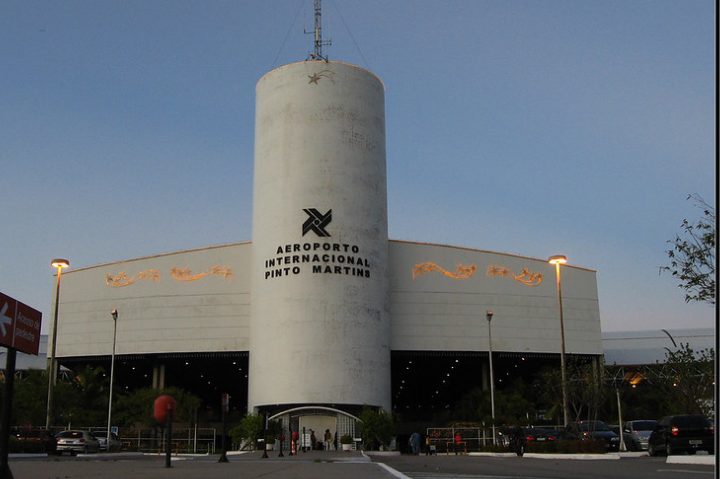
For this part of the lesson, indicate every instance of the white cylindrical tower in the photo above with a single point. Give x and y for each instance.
(319, 316)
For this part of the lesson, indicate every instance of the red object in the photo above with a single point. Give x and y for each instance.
(163, 404)
(19, 325)
(458, 439)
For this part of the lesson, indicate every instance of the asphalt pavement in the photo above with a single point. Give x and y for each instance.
(308, 465)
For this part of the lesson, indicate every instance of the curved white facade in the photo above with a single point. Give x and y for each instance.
(208, 309)
(319, 269)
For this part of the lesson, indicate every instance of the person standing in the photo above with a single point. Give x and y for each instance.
(328, 440)
(415, 443)
(458, 441)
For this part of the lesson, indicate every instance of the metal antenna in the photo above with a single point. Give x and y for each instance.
(318, 53)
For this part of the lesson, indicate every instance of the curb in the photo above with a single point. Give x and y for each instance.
(535, 455)
(708, 460)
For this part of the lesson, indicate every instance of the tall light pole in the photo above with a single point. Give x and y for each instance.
(58, 263)
(114, 314)
(557, 260)
(489, 316)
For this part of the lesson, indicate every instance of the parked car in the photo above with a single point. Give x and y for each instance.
(115, 442)
(38, 435)
(639, 431)
(538, 434)
(685, 433)
(592, 430)
(626, 437)
(75, 441)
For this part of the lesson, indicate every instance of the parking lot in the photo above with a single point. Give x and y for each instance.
(356, 465)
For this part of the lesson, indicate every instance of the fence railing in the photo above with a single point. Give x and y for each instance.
(195, 441)
(153, 440)
(473, 438)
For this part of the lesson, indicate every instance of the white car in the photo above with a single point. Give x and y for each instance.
(75, 441)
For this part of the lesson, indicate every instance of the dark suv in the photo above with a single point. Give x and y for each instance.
(686, 433)
(592, 430)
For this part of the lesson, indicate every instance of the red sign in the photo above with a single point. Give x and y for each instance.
(19, 325)
(163, 404)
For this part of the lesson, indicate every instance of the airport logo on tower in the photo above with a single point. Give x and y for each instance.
(317, 257)
(317, 222)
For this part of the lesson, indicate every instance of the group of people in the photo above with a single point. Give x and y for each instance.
(328, 443)
(414, 443)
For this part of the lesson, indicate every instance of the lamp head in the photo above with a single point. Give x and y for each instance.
(489, 315)
(60, 263)
(114, 314)
(557, 259)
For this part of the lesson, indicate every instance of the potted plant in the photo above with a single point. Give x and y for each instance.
(270, 442)
(346, 440)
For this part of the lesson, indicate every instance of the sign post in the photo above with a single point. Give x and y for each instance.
(164, 411)
(19, 325)
(225, 400)
(19, 331)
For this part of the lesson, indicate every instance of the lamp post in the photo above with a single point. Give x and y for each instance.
(58, 263)
(557, 260)
(489, 316)
(114, 314)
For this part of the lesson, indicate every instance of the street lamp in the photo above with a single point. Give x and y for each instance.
(489, 316)
(114, 314)
(557, 260)
(58, 263)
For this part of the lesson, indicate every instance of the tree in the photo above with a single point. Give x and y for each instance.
(512, 405)
(377, 428)
(692, 258)
(586, 388)
(30, 398)
(687, 380)
(138, 407)
(81, 400)
(87, 399)
(252, 428)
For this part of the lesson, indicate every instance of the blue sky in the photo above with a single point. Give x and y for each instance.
(525, 127)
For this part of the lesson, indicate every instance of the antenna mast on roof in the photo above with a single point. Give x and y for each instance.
(318, 53)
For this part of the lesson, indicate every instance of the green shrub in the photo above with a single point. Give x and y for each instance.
(555, 447)
(17, 446)
(579, 447)
(494, 448)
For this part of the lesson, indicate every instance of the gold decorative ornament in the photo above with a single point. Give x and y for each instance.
(184, 274)
(315, 77)
(462, 272)
(525, 277)
(121, 278)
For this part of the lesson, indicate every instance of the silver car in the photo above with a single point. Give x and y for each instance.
(75, 441)
(115, 443)
(639, 432)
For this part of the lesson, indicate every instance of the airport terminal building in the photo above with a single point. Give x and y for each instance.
(321, 313)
